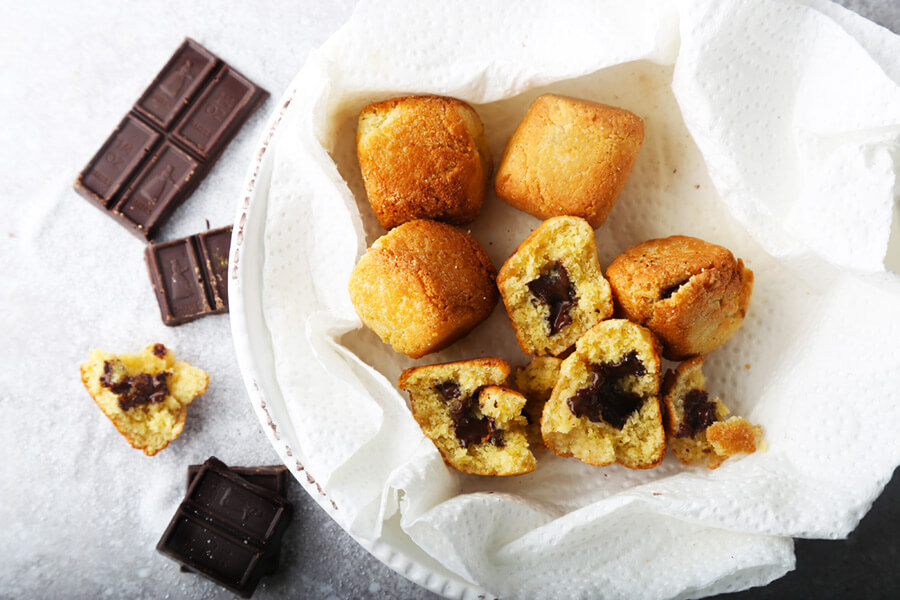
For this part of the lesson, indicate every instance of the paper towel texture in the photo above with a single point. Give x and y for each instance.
(771, 128)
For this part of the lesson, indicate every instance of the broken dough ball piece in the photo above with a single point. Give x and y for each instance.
(553, 288)
(604, 407)
(475, 422)
(423, 157)
(535, 381)
(569, 157)
(145, 395)
(692, 294)
(696, 424)
(422, 286)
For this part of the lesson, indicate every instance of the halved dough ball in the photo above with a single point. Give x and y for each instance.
(605, 406)
(553, 287)
(696, 425)
(474, 421)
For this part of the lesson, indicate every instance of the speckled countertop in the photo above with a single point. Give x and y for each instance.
(81, 512)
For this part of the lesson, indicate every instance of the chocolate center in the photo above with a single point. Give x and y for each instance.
(468, 427)
(556, 291)
(603, 398)
(699, 413)
(133, 390)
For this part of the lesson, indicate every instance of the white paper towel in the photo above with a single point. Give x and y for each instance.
(772, 128)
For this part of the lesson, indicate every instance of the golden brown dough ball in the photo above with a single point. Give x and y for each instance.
(423, 285)
(692, 294)
(569, 157)
(423, 157)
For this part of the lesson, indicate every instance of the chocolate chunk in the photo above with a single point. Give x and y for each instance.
(604, 399)
(226, 528)
(668, 292)
(169, 140)
(468, 427)
(160, 351)
(556, 291)
(134, 390)
(449, 390)
(186, 286)
(699, 413)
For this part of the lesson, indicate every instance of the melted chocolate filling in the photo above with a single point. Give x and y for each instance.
(468, 427)
(699, 413)
(134, 390)
(604, 399)
(159, 351)
(556, 291)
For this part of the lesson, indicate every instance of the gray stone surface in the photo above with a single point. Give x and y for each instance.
(86, 523)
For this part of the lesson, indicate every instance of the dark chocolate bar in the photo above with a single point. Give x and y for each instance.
(189, 275)
(226, 527)
(169, 140)
(273, 478)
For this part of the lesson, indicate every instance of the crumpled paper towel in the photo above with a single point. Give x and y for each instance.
(771, 128)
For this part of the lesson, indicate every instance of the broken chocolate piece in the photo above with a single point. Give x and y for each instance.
(187, 286)
(169, 140)
(556, 291)
(226, 528)
(604, 399)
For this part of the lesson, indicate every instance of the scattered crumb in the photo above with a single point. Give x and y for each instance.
(747, 366)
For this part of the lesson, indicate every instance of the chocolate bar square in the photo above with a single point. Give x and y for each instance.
(226, 528)
(274, 478)
(169, 140)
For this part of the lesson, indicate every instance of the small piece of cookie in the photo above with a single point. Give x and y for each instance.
(145, 395)
(696, 424)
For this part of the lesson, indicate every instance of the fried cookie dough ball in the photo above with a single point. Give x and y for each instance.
(605, 404)
(474, 421)
(569, 157)
(553, 288)
(422, 286)
(423, 157)
(692, 294)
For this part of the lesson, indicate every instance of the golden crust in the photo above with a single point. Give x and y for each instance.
(423, 157)
(484, 378)
(147, 427)
(569, 157)
(423, 285)
(641, 442)
(692, 294)
(569, 241)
